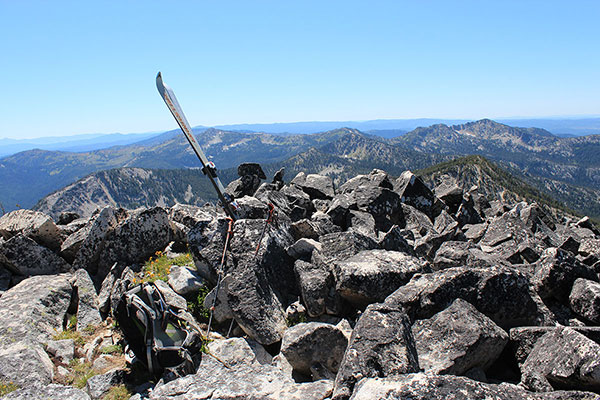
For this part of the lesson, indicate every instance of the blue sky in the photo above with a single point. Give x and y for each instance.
(88, 67)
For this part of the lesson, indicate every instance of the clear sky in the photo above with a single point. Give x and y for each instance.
(89, 67)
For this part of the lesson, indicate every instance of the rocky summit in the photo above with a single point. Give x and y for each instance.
(380, 287)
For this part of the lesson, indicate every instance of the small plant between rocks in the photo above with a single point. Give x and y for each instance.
(119, 392)
(158, 267)
(7, 387)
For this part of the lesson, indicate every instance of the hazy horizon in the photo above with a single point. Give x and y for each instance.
(77, 67)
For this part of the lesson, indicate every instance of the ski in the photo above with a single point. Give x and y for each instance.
(208, 167)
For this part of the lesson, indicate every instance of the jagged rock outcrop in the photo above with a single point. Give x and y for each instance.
(358, 287)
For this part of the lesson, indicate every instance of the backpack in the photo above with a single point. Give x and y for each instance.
(157, 336)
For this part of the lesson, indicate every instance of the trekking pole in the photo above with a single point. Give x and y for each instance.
(220, 273)
(264, 230)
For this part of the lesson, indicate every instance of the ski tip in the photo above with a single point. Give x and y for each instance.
(159, 83)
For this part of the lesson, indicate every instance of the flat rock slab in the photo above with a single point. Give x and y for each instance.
(25, 364)
(372, 275)
(51, 391)
(458, 339)
(34, 309)
(426, 387)
(244, 381)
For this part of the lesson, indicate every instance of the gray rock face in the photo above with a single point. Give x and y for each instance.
(222, 311)
(239, 351)
(87, 308)
(255, 282)
(372, 275)
(303, 248)
(307, 344)
(425, 387)
(88, 254)
(189, 216)
(524, 338)
(501, 293)
(171, 297)
(458, 339)
(245, 379)
(244, 186)
(563, 358)
(585, 299)
(26, 257)
(98, 385)
(415, 192)
(461, 254)
(316, 287)
(51, 391)
(34, 224)
(381, 345)
(34, 309)
(338, 246)
(251, 208)
(362, 222)
(184, 280)
(251, 169)
(136, 239)
(316, 186)
(63, 349)
(555, 273)
(25, 364)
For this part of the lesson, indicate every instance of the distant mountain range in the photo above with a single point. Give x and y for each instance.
(566, 168)
(87, 142)
(386, 128)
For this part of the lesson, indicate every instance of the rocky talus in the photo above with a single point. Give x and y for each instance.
(379, 288)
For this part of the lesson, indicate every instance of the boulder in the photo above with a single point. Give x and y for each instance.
(88, 313)
(135, 239)
(96, 232)
(339, 246)
(562, 359)
(34, 310)
(52, 391)
(246, 379)
(26, 257)
(307, 344)
(585, 300)
(252, 208)
(99, 385)
(450, 194)
(362, 222)
(239, 351)
(303, 248)
(474, 232)
(316, 186)
(501, 293)
(555, 273)
(458, 339)
(171, 298)
(189, 216)
(33, 224)
(244, 186)
(64, 349)
(414, 192)
(25, 364)
(381, 345)
(524, 338)
(260, 282)
(316, 286)
(5, 278)
(67, 217)
(206, 241)
(313, 229)
(221, 311)
(397, 239)
(184, 280)
(245, 169)
(463, 254)
(427, 386)
(371, 275)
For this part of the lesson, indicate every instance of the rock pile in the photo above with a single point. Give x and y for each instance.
(379, 288)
